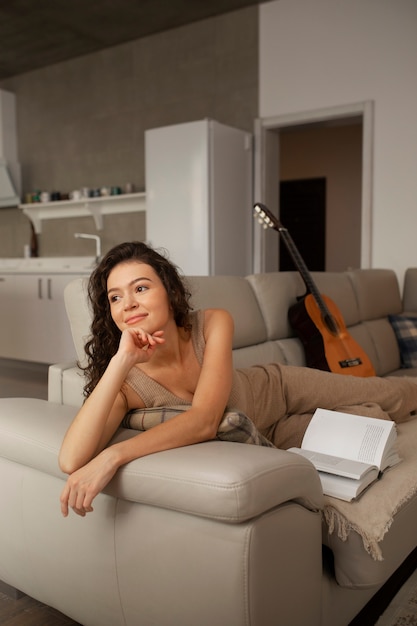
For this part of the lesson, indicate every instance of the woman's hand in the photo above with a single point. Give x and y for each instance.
(139, 344)
(84, 484)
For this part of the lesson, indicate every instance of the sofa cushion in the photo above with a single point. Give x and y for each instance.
(275, 292)
(234, 294)
(382, 347)
(410, 290)
(265, 352)
(378, 295)
(377, 292)
(405, 328)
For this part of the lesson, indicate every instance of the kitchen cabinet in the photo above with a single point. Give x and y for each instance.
(34, 324)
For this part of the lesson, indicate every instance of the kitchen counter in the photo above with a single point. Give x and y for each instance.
(48, 265)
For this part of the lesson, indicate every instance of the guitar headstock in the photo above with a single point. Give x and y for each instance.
(265, 217)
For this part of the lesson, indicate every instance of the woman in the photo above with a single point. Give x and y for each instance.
(148, 348)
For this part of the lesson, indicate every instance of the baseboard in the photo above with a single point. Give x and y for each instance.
(10, 591)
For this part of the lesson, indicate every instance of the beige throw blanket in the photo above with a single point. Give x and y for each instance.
(372, 514)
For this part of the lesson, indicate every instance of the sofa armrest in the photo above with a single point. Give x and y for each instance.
(221, 480)
(166, 529)
(65, 384)
(55, 372)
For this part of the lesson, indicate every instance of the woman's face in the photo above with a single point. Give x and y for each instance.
(137, 297)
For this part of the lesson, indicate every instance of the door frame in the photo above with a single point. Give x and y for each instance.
(266, 168)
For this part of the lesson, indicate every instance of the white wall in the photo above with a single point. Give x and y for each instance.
(320, 53)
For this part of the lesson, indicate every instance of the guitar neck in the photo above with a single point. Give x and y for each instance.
(305, 275)
(269, 220)
(298, 260)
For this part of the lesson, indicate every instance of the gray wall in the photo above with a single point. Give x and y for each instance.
(81, 123)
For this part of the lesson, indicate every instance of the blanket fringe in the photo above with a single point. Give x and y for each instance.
(338, 523)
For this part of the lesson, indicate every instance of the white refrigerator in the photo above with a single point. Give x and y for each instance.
(199, 195)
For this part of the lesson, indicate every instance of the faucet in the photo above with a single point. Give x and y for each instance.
(96, 239)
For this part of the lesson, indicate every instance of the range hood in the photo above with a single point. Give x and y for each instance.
(10, 174)
(8, 195)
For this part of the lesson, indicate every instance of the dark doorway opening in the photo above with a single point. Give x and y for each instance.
(303, 212)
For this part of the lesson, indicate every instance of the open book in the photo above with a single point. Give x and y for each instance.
(349, 451)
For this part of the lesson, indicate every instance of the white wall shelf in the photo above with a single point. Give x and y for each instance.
(37, 212)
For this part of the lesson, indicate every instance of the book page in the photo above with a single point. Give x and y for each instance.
(348, 436)
(330, 464)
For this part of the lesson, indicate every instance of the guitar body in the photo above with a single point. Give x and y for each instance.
(326, 350)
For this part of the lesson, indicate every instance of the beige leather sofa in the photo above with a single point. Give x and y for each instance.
(216, 533)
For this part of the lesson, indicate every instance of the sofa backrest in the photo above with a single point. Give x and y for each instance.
(378, 295)
(410, 290)
(364, 297)
(259, 305)
(79, 315)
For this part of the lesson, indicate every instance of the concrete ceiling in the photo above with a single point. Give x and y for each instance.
(37, 33)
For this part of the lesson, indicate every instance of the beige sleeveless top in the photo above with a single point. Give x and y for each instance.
(152, 392)
(256, 391)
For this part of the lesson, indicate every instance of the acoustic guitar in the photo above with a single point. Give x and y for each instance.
(316, 319)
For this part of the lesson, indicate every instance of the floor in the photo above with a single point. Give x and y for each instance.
(28, 612)
(24, 611)
(402, 610)
(23, 380)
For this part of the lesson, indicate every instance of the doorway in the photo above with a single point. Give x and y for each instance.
(268, 139)
(303, 213)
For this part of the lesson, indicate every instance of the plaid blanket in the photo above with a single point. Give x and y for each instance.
(234, 426)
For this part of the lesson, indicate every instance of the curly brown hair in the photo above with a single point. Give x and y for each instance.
(105, 335)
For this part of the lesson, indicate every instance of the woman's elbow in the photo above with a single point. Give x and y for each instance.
(209, 430)
(67, 464)
(64, 465)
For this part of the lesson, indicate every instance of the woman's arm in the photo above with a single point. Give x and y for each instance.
(201, 421)
(102, 412)
(198, 424)
(215, 381)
